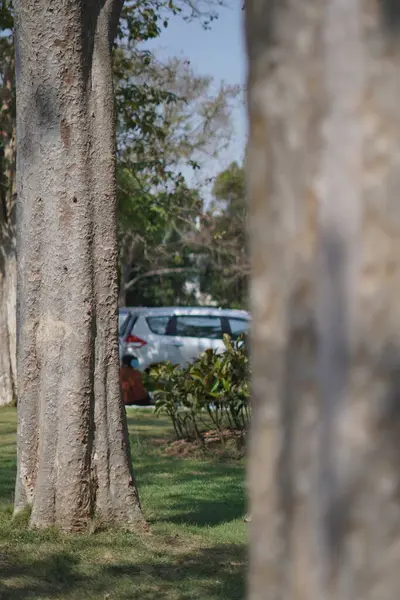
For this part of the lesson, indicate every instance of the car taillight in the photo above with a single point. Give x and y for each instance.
(135, 341)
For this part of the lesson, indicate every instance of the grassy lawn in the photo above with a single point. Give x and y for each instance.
(196, 548)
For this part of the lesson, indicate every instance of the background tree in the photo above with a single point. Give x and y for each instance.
(184, 122)
(7, 212)
(158, 263)
(222, 241)
(322, 169)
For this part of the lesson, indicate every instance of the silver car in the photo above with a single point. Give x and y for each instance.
(176, 334)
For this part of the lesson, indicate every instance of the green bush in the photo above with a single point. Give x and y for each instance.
(211, 393)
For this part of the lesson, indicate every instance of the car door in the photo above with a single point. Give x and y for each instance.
(160, 346)
(193, 334)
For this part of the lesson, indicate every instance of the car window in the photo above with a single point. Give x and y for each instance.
(122, 318)
(127, 325)
(199, 327)
(238, 326)
(158, 325)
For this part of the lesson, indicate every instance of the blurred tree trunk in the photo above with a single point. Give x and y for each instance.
(323, 182)
(74, 462)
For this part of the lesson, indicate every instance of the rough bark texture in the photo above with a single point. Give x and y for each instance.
(323, 183)
(73, 449)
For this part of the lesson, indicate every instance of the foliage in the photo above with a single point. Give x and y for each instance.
(215, 386)
(152, 246)
(167, 115)
(168, 120)
(222, 244)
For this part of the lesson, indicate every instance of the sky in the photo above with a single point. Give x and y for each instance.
(218, 52)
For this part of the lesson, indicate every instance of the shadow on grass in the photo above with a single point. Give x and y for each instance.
(205, 513)
(210, 573)
(216, 499)
(49, 576)
(192, 492)
(213, 573)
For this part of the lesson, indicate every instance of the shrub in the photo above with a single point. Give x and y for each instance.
(215, 385)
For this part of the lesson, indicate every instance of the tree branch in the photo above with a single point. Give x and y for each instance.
(113, 19)
(165, 271)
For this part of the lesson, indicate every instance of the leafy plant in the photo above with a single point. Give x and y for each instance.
(211, 393)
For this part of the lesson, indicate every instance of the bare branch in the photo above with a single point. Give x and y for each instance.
(166, 271)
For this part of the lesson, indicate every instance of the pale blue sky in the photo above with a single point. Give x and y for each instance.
(219, 52)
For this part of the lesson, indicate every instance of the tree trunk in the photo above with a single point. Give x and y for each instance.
(8, 284)
(323, 184)
(8, 265)
(124, 279)
(73, 449)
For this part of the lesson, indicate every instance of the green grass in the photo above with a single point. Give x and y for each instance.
(196, 548)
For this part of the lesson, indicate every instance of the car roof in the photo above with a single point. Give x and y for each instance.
(186, 310)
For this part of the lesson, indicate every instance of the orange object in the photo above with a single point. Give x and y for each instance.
(133, 390)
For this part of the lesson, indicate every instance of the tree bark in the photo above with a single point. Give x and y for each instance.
(323, 184)
(74, 461)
